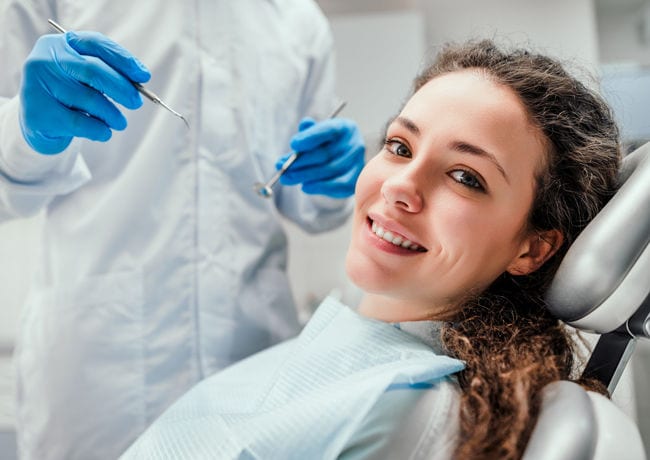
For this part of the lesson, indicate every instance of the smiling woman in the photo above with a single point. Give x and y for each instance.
(489, 172)
(444, 183)
(557, 150)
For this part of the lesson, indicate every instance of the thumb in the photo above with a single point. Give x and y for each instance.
(306, 123)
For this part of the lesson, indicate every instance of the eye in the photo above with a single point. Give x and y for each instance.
(397, 148)
(467, 179)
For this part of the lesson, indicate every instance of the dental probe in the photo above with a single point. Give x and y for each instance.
(266, 190)
(141, 89)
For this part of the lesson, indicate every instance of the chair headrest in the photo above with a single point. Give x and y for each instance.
(574, 424)
(605, 275)
(566, 426)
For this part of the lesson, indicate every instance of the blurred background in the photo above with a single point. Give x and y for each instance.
(380, 45)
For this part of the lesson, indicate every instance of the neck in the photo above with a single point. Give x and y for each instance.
(396, 310)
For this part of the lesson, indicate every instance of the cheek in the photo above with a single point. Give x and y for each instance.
(357, 263)
(483, 233)
(367, 193)
(369, 183)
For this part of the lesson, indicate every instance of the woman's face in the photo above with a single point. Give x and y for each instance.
(442, 210)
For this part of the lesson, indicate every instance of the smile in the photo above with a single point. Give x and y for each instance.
(396, 238)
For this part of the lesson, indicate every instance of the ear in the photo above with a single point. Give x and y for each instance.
(536, 249)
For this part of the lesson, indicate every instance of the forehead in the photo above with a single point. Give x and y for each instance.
(472, 91)
(472, 106)
(473, 96)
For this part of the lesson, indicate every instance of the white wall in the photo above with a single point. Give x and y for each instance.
(566, 29)
(625, 52)
(624, 30)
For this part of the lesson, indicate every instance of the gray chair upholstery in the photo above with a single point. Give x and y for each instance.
(605, 276)
(574, 424)
(603, 286)
(566, 409)
(603, 283)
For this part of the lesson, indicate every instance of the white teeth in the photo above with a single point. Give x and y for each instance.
(397, 240)
(388, 236)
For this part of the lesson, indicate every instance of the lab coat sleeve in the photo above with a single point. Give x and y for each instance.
(28, 180)
(316, 213)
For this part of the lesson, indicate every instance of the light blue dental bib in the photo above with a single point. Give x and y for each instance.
(303, 399)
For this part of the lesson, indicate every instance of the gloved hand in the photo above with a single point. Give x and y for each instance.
(67, 82)
(331, 157)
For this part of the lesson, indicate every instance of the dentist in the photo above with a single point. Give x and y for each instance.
(160, 264)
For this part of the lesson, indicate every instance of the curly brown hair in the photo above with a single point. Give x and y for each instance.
(511, 344)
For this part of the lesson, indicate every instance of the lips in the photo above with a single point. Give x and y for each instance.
(387, 232)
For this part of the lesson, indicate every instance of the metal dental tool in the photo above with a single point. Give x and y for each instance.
(266, 190)
(141, 89)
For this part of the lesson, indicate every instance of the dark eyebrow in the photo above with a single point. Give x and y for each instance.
(408, 124)
(459, 146)
(475, 150)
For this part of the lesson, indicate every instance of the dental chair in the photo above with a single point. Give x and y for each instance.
(602, 286)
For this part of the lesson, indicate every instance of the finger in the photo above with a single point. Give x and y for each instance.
(85, 99)
(105, 66)
(332, 170)
(322, 163)
(318, 157)
(319, 134)
(95, 73)
(306, 123)
(79, 124)
(55, 145)
(113, 54)
(333, 190)
(339, 187)
(83, 125)
(313, 158)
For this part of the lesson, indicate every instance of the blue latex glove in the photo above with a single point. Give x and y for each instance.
(67, 82)
(331, 157)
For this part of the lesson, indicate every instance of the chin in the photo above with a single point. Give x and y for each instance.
(364, 276)
(357, 272)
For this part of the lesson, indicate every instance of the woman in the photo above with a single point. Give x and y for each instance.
(492, 168)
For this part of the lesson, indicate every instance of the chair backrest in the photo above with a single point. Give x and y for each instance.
(574, 424)
(605, 276)
(602, 285)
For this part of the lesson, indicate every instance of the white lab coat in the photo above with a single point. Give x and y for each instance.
(160, 263)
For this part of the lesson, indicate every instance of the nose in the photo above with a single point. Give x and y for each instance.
(401, 190)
